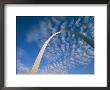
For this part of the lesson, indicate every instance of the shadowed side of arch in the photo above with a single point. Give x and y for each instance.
(39, 57)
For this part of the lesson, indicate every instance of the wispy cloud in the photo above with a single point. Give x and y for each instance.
(54, 68)
(39, 34)
(21, 68)
(65, 51)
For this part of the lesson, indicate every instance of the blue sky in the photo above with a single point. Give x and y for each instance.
(65, 54)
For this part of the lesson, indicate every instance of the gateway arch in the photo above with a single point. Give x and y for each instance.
(40, 55)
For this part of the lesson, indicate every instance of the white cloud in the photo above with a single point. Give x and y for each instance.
(74, 52)
(21, 68)
(77, 22)
(54, 68)
(39, 34)
(33, 35)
